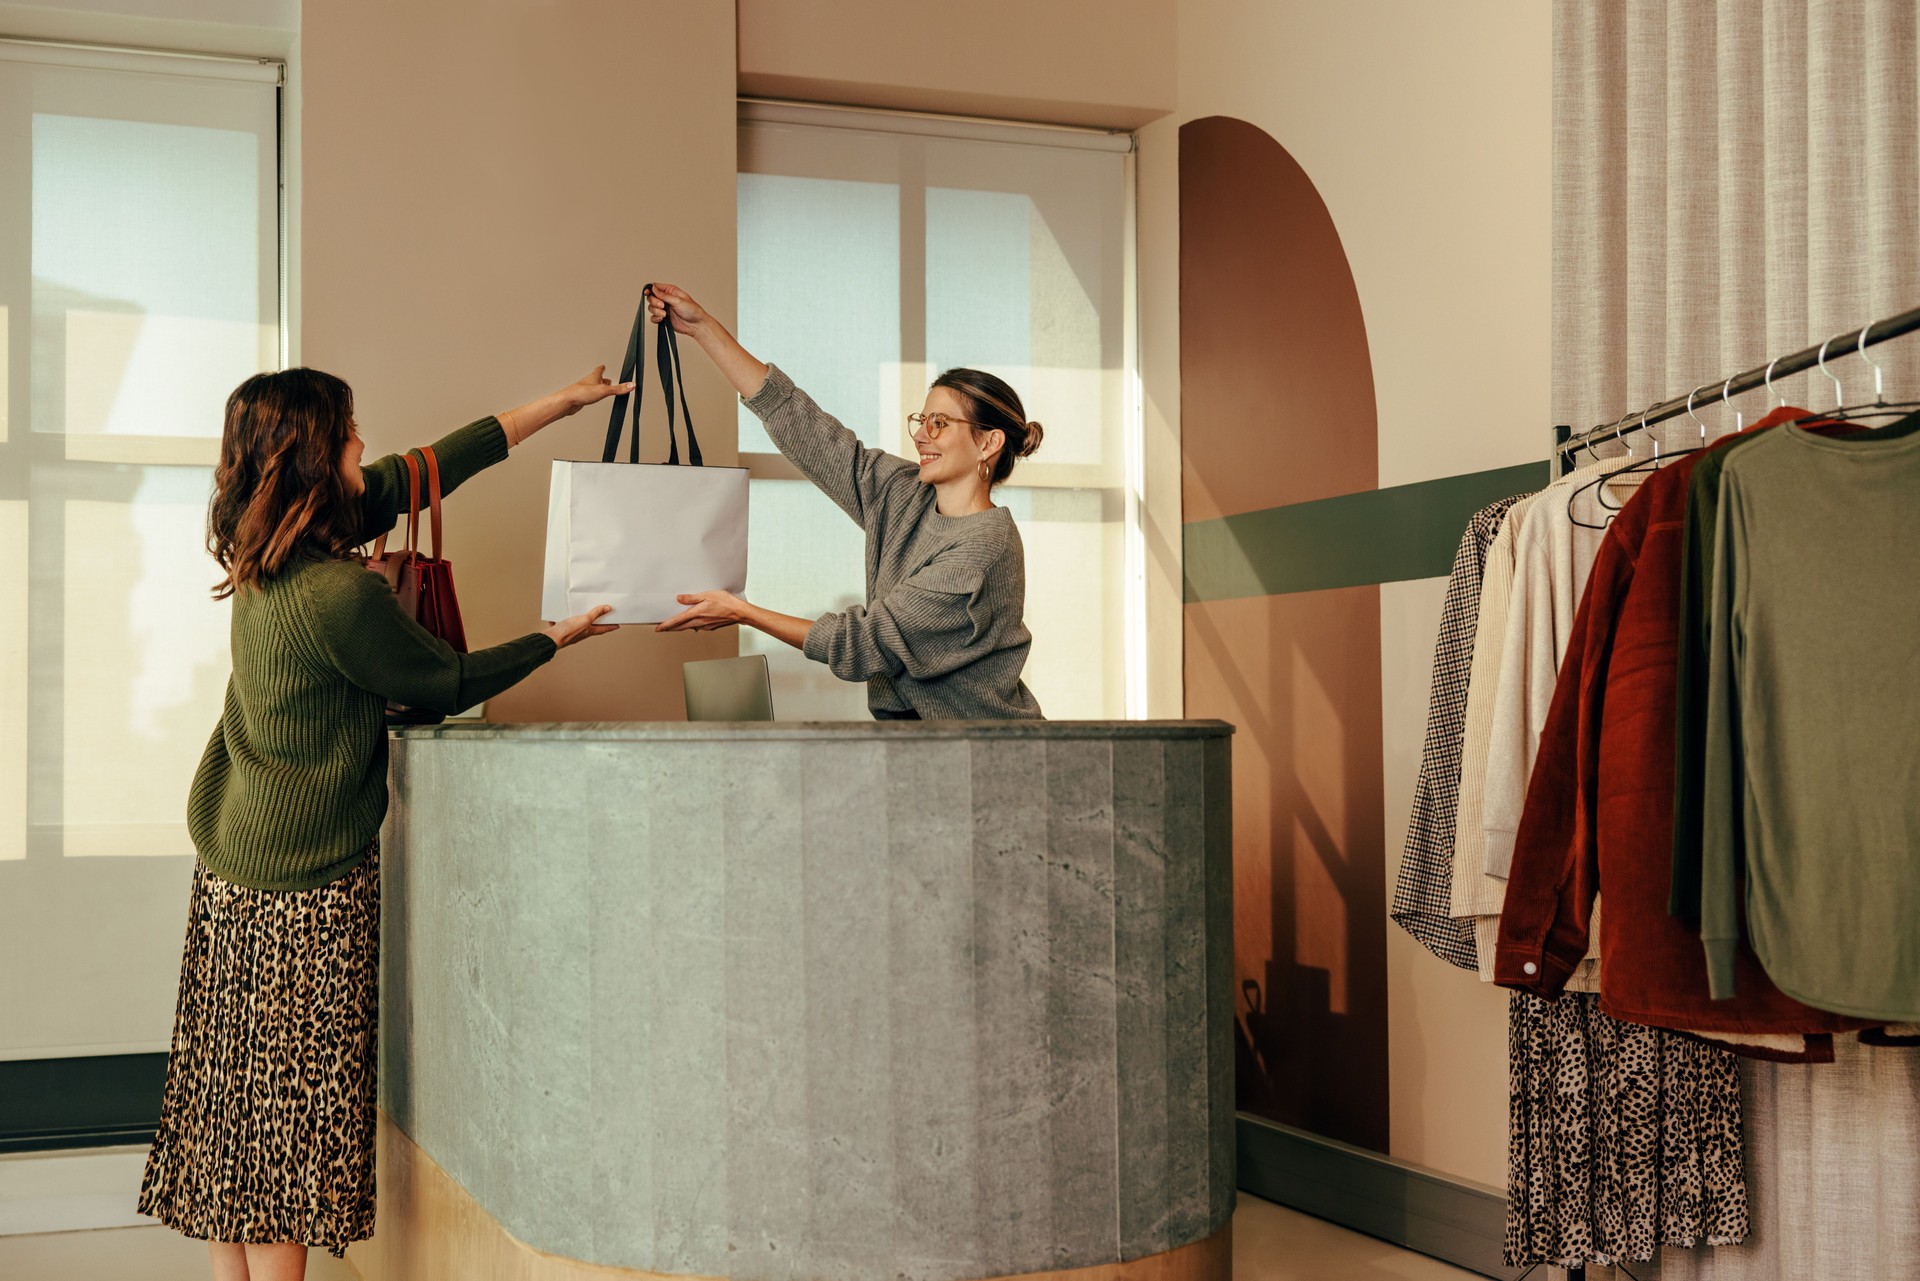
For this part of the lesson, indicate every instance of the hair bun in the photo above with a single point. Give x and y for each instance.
(1035, 434)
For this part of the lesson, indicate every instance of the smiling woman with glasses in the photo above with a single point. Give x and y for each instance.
(943, 633)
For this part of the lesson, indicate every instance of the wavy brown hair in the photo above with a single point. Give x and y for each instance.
(278, 489)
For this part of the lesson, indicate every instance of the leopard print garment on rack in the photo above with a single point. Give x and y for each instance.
(1622, 1138)
(267, 1124)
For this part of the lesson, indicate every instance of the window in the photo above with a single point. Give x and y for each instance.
(139, 283)
(878, 250)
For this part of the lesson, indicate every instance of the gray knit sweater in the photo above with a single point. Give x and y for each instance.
(942, 632)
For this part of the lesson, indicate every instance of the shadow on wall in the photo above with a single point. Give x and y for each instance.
(1277, 408)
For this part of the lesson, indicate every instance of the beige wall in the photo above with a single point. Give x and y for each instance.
(1105, 63)
(486, 189)
(1431, 150)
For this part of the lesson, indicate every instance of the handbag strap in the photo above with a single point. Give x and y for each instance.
(433, 495)
(413, 509)
(633, 369)
(413, 503)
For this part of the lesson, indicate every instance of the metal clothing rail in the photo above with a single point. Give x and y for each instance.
(1565, 442)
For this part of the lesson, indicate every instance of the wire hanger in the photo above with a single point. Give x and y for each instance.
(1839, 392)
(1642, 464)
(1879, 374)
(1593, 454)
(1879, 407)
(1627, 463)
(1651, 463)
(1648, 464)
(1696, 417)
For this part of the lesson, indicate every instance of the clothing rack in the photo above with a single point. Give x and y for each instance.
(1566, 444)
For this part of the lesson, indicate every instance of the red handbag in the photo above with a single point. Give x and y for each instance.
(424, 584)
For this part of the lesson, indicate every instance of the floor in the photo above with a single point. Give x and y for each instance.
(1269, 1244)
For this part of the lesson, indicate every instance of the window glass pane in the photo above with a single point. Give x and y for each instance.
(819, 280)
(147, 274)
(13, 685)
(145, 659)
(1002, 297)
(980, 282)
(1025, 271)
(805, 558)
(1076, 562)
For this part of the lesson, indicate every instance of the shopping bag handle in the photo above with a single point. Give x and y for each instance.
(633, 369)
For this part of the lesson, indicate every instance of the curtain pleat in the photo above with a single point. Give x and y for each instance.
(1733, 181)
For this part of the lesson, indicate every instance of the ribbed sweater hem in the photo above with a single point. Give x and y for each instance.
(316, 880)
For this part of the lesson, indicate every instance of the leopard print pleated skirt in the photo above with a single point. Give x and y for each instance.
(1622, 1138)
(267, 1124)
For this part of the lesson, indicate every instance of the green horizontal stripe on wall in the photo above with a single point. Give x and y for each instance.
(1354, 540)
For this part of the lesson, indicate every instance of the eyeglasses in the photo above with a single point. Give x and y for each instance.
(937, 423)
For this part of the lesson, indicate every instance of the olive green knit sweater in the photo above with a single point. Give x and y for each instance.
(293, 786)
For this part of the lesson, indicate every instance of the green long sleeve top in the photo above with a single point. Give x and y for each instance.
(1813, 689)
(293, 787)
(1690, 685)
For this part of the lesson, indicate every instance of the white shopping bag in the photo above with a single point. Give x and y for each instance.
(634, 535)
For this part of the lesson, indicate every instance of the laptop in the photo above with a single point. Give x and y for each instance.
(729, 689)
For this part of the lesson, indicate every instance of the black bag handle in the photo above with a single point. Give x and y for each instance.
(633, 369)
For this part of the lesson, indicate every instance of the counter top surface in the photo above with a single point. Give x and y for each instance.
(743, 731)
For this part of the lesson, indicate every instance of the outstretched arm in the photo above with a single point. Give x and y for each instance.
(856, 477)
(471, 450)
(529, 418)
(709, 611)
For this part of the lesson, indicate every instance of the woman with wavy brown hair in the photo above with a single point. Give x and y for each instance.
(265, 1145)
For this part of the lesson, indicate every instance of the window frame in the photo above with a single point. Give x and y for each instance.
(1123, 476)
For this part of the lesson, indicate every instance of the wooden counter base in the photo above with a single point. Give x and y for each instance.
(430, 1229)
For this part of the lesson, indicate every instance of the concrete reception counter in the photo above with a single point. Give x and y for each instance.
(929, 1001)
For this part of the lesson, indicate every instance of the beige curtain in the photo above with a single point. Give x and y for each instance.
(1735, 180)
(1732, 181)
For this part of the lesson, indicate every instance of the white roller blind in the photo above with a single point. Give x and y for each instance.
(876, 251)
(139, 283)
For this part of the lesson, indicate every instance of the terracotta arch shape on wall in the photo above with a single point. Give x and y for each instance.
(1277, 408)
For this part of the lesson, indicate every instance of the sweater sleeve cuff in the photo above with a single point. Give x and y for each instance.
(819, 639)
(773, 393)
(490, 440)
(1720, 953)
(1499, 852)
(516, 657)
(1531, 968)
